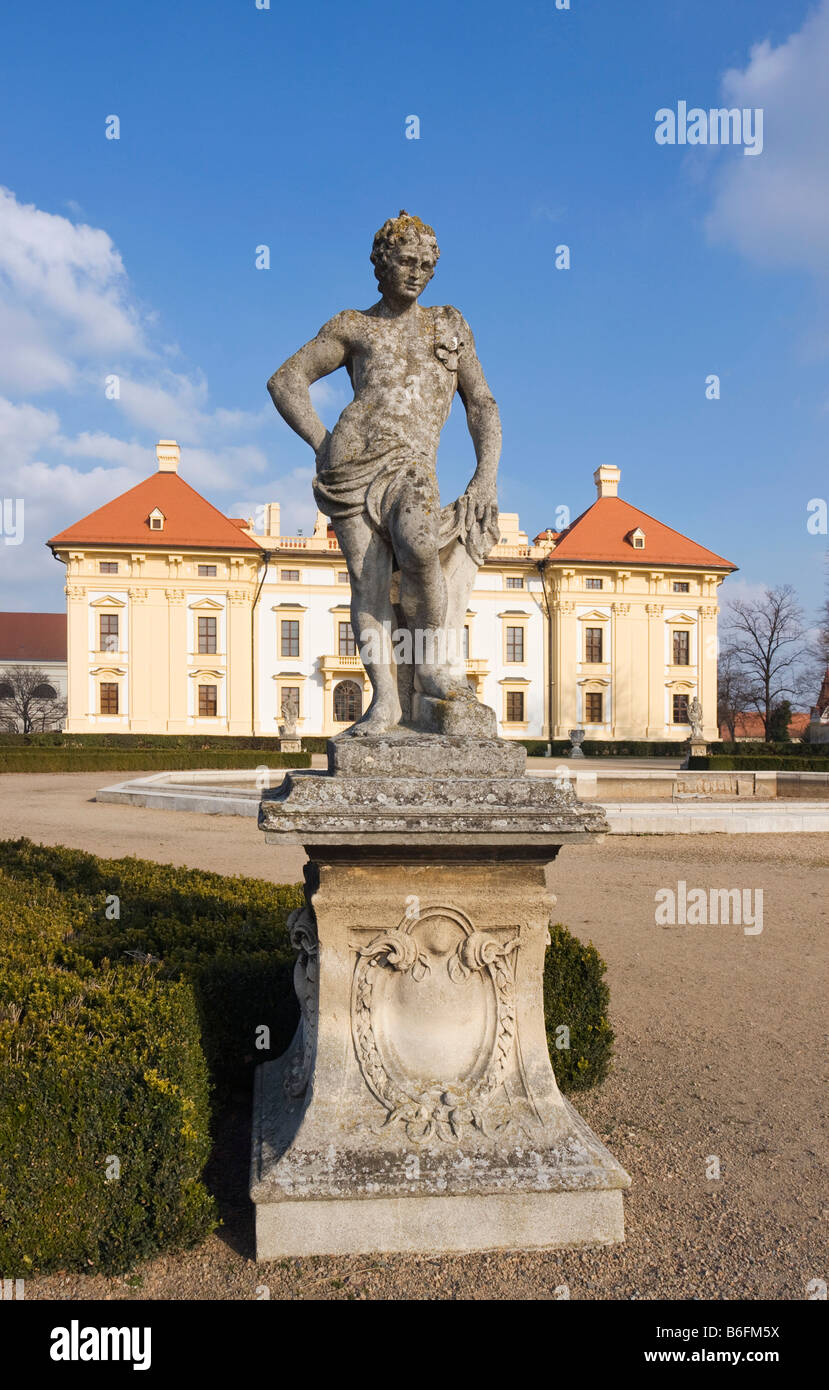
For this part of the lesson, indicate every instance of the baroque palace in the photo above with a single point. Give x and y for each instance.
(183, 620)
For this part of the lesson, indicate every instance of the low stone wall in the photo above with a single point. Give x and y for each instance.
(650, 784)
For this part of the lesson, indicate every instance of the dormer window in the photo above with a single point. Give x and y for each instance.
(636, 538)
(157, 519)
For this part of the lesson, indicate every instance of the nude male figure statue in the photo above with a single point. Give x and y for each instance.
(376, 470)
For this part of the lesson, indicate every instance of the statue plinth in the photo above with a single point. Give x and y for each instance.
(417, 1109)
(697, 748)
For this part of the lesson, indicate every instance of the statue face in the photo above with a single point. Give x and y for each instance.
(408, 268)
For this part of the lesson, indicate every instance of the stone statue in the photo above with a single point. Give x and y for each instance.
(376, 479)
(695, 718)
(290, 713)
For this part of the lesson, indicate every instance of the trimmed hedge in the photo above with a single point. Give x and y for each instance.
(603, 748)
(110, 1023)
(95, 1066)
(576, 995)
(226, 936)
(57, 739)
(41, 759)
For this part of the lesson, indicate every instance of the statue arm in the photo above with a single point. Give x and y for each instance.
(289, 385)
(484, 425)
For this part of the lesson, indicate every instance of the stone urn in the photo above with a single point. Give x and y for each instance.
(576, 740)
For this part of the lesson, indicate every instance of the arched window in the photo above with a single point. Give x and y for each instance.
(6, 691)
(44, 692)
(348, 702)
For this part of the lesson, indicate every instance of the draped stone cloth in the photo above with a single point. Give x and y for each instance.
(392, 461)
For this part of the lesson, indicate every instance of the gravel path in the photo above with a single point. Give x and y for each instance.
(720, 1051)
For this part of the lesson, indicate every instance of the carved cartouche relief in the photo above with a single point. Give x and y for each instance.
(433, 1021)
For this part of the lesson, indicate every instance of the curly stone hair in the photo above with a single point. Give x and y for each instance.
(403, 227)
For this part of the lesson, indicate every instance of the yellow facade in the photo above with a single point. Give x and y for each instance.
(185, 639)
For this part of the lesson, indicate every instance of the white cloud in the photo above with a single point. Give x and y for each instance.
(298, 510)
(69, 317)
(775, 208)
(64, 298)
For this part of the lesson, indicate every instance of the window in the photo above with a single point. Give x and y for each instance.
(682, 648)
(593, 704)
(109, 697)
(109, 632)
(208, 706)
(44, 692)
(342, 576)
(680, 709)
(515, 644)
(346, 644)
(348, 702)
(289, 637)
(207, 571)
(156, 521)
(593, 644)
(515, 581)
(207, 634)
(108, 567)
(6, 692)
(681, 586)
(465, 641)
(289, 576)
(515, 707)
(593, 583)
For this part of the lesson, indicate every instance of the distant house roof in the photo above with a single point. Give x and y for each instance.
(823, 697)
(189, 520)
(750, 725)
(32, 637)
(604, 535)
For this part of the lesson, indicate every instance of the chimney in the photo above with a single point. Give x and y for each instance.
(606, 479)
(168, 453)
(272, 524)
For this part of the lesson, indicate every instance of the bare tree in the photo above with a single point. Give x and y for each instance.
(732, 690)
(770, 646)
(29, 703)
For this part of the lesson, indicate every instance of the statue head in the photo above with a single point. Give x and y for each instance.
(404, 255)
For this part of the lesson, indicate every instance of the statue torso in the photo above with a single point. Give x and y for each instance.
(404, 374)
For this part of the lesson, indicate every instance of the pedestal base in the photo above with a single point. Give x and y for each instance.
(417, 1109)
(439, 1225)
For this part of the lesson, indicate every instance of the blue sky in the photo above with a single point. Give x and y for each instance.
(286, 127)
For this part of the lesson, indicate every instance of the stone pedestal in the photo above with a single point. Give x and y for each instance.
(697, 748)
(290, 745)
(417, 1109)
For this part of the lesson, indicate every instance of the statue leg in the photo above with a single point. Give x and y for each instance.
(369, 562)
(415, 529)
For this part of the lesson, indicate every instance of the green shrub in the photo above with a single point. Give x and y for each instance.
(58, 739)
(95, 1065)
(71, 759)
(225, 936)
(108, 1025)
(604, 748)
(576, 995)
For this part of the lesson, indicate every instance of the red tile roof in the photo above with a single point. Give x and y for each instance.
(32, 637)
(600, 534)
(189, 520)
(750, 725)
